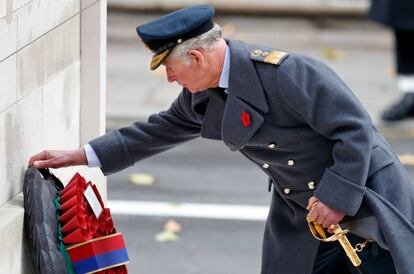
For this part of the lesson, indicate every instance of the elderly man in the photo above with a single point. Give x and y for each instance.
(295, 119)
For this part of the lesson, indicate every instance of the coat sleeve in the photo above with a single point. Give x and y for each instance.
(327, 105)
(123, 147)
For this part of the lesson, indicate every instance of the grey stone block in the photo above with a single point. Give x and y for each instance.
(14, 254)
(20, 137)
(61, 109)
(47, 14)
(8, 35)
(8, 80)
(48, 56)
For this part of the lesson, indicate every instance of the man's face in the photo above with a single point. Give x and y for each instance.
(189, 76)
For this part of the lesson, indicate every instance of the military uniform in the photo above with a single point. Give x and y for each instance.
(295, 119)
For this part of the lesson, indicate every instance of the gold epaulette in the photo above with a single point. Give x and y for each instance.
(275, 57)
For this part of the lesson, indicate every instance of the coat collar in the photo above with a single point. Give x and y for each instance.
(221, 114)
(244, 82)
(209, 106)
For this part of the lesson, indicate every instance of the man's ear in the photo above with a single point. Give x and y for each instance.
(197, 56)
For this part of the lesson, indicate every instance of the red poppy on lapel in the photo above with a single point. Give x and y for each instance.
(245, 118)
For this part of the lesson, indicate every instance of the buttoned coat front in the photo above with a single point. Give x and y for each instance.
(307, 131)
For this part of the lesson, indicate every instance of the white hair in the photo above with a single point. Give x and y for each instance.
(207, 41)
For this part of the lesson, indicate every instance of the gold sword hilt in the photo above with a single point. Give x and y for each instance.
(338, 234)
(346, 245)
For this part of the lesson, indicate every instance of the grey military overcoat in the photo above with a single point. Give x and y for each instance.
(302, 126)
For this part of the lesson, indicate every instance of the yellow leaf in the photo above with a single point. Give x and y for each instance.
(331, 53)
(166, 236)
(173, 226)
(141, 179)
(407, 159)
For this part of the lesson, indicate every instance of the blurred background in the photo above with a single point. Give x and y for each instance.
(200, 208)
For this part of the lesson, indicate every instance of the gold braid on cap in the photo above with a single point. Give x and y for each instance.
(157, 59)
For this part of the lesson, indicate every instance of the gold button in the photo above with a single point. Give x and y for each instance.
(311, 185)
(265, 165)
(291, 163)
(287, 190)
(272, 145)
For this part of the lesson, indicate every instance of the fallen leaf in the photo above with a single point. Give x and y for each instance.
(173, 226)
(331, 53)
(166, 236)
(407, 159)
(141, 179)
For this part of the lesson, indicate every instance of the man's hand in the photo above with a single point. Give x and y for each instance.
(59, 158)
(323, 214)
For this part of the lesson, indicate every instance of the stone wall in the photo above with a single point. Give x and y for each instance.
(46, 86)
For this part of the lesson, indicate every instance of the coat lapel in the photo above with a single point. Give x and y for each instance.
(244, 82)
(213, 117)
(246, 98)
(225, 118)
(236, 131)
(209, 105)
(199, 102)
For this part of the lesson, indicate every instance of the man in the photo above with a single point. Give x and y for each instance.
(294, 118)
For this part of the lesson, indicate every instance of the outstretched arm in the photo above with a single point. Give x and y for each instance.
(58, 158)
(121, 148)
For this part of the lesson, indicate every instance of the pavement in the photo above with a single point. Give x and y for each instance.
(204, 172)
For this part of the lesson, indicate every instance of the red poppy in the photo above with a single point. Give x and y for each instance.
(245, 118)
